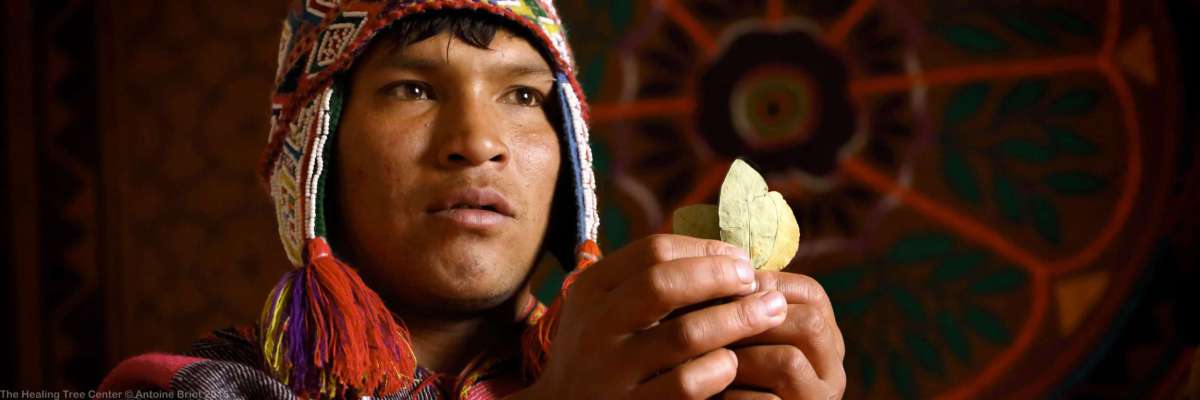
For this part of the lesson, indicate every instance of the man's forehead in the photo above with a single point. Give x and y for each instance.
(507, 54)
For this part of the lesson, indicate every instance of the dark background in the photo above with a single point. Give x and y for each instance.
(135, 222)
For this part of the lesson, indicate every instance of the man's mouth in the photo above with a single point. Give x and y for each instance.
(473, 208)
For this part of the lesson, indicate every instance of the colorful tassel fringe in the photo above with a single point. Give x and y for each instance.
(535, 342)
(324, 332)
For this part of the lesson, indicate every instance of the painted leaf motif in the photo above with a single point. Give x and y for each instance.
(1023, 96)
(1027, 29)
(959, 175)
(957, 266)
(999, 282)
(1008, 200)
(1067, 141)
(965, 102)
(1024, 150)
(902, 377)
(909, 305)
(987, 325)
(954, 337)
(920, 247)
(1075, 182)
(1075, 102)
(973, 39)
(1045, 218)
(927, 355)
(842, 279)
(1070, 22)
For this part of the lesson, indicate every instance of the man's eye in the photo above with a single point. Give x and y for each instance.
(411, 91)
(526, 97)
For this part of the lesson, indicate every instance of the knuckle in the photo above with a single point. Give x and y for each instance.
(687, 336)
(659, 287)
(747, 313)
(812, 322)
(814, 288)
(795, 364)
(723, 271)
(660, 246)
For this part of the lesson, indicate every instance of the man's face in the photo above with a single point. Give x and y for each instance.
(446, 167)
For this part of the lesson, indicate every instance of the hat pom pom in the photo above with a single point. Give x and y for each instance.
(324, 331)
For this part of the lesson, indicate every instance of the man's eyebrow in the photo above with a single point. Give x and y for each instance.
(523, 70)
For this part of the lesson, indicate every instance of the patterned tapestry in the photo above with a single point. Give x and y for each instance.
(979, 184)
(1001, 197)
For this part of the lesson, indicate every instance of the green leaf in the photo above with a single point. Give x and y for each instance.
(965, 102)
(1045, 218)
(959, 175)
(851, 309)
(999, 282)
(953, 334)
(973, 39)
(1075, 182)
(920, 247)
(1069, 22)
(866, 371)
(987, 325)
(1066, 141)
(1004, 193)
(902, 377)
(926, 355)
(1024, 150)
(1075, 102)
(909, 305)
(959, 265)
(1021, 97)
(1027, 29)
(841, 280)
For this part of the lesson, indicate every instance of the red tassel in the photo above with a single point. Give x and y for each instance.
(535, 342)
(356, 340)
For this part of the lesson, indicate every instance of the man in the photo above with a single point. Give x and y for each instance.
(440, 148)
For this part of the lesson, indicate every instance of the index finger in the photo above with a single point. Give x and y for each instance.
(654, 249)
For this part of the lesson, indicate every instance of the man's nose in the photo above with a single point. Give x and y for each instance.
(471, 136)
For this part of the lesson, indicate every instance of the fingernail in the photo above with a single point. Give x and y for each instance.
(745, 273)
(739, 253)
(774, 303)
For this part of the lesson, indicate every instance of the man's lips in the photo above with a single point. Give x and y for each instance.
(473, 208)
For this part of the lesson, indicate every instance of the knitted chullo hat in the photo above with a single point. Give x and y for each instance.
(322, 330)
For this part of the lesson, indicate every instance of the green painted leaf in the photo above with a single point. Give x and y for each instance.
(866, 371)
(591, 76)
(1067, 141)
(1075, 102)
(959, 265)
(987, 325)
(1075, 182)
(1007, 198)
(954, 337)
(1069, 22)
(1045, 218)
(851, 309)
(908, 304)
(1027, 29)
(920, 247)
(965, 102)
(841, 280)
(902, 377)
(959, 175)
(973, 39)
(620, 14)
(1021, 97)
(999, 282)
(1024, 149)
(926, 354)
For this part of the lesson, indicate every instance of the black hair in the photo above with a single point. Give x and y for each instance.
(473, 27)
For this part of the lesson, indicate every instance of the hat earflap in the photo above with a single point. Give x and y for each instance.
(323, 331)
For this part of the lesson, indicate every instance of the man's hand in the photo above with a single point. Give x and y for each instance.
(612, 340)
(799, 359)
